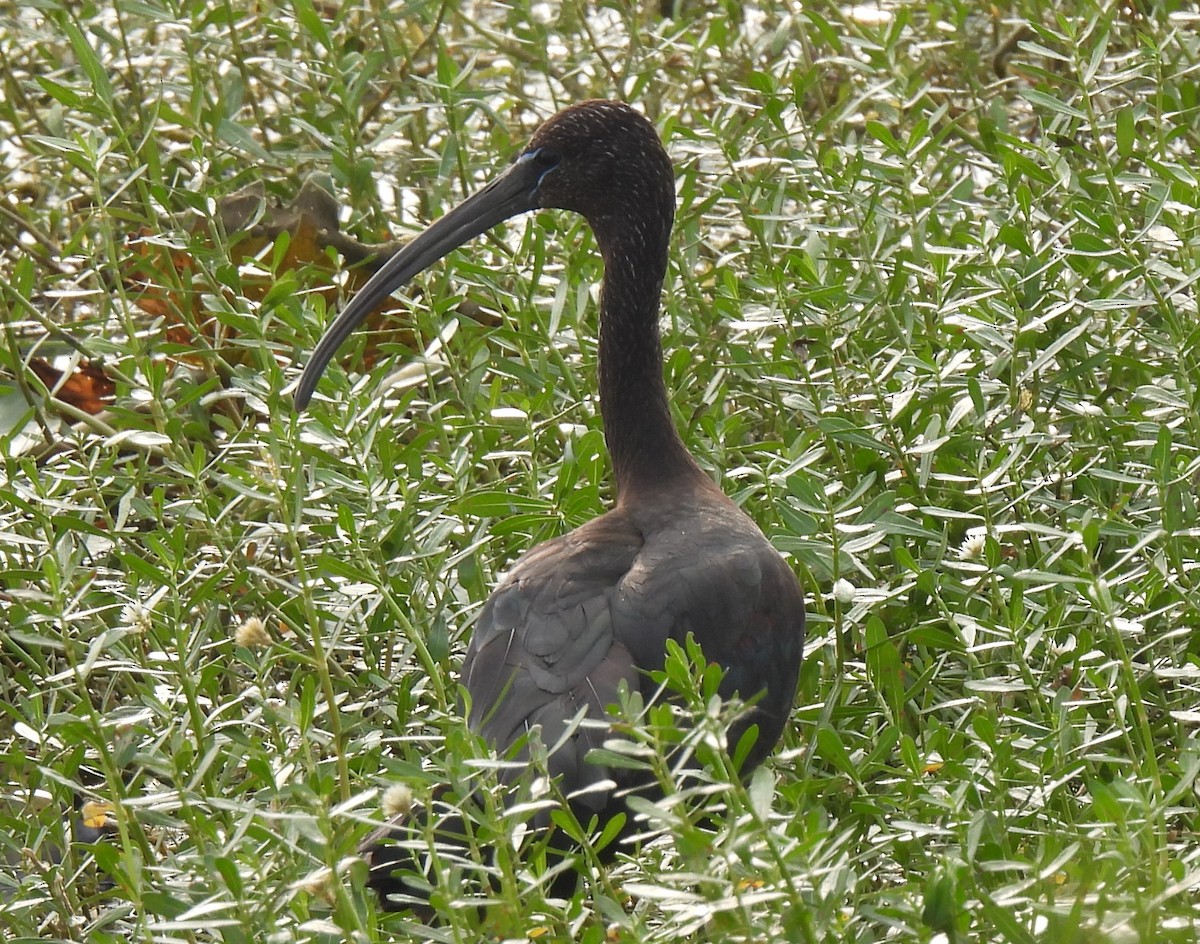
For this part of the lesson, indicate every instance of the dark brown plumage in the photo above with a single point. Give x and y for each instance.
(581, 615)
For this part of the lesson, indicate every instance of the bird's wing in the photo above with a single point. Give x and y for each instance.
(543, 648)
(716, 577)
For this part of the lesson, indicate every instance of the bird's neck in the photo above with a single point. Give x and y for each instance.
(647, 451)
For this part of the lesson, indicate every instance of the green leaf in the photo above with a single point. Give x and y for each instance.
(941, 907)
(239, 138)
(97, 71)
(61, 93)
(308, 17)
(612, 829)
(1125, 132)
(881, 133)
(884, 666)
(1052, 104)
(762, 792)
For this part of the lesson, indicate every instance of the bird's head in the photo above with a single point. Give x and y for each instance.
(601, 159)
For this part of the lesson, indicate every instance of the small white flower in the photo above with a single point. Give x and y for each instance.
(973, 547)
(137, 618)
(843, 592)
(397, 800)
(138, 615)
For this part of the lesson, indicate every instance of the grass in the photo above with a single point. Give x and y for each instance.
(930, 316)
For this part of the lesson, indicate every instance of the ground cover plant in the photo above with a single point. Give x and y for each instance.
(930, 317)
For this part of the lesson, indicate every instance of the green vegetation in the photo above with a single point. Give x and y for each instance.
(931, 318)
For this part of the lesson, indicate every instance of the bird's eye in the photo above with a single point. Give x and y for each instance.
(543, 160)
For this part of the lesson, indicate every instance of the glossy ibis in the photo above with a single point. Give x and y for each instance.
(588, 612)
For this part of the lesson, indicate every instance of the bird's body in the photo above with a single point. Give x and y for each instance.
(580, 616)
(586, 613)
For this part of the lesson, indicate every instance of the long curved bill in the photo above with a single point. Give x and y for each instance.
(510, 194)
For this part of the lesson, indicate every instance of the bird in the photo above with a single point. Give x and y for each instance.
(586, 615)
